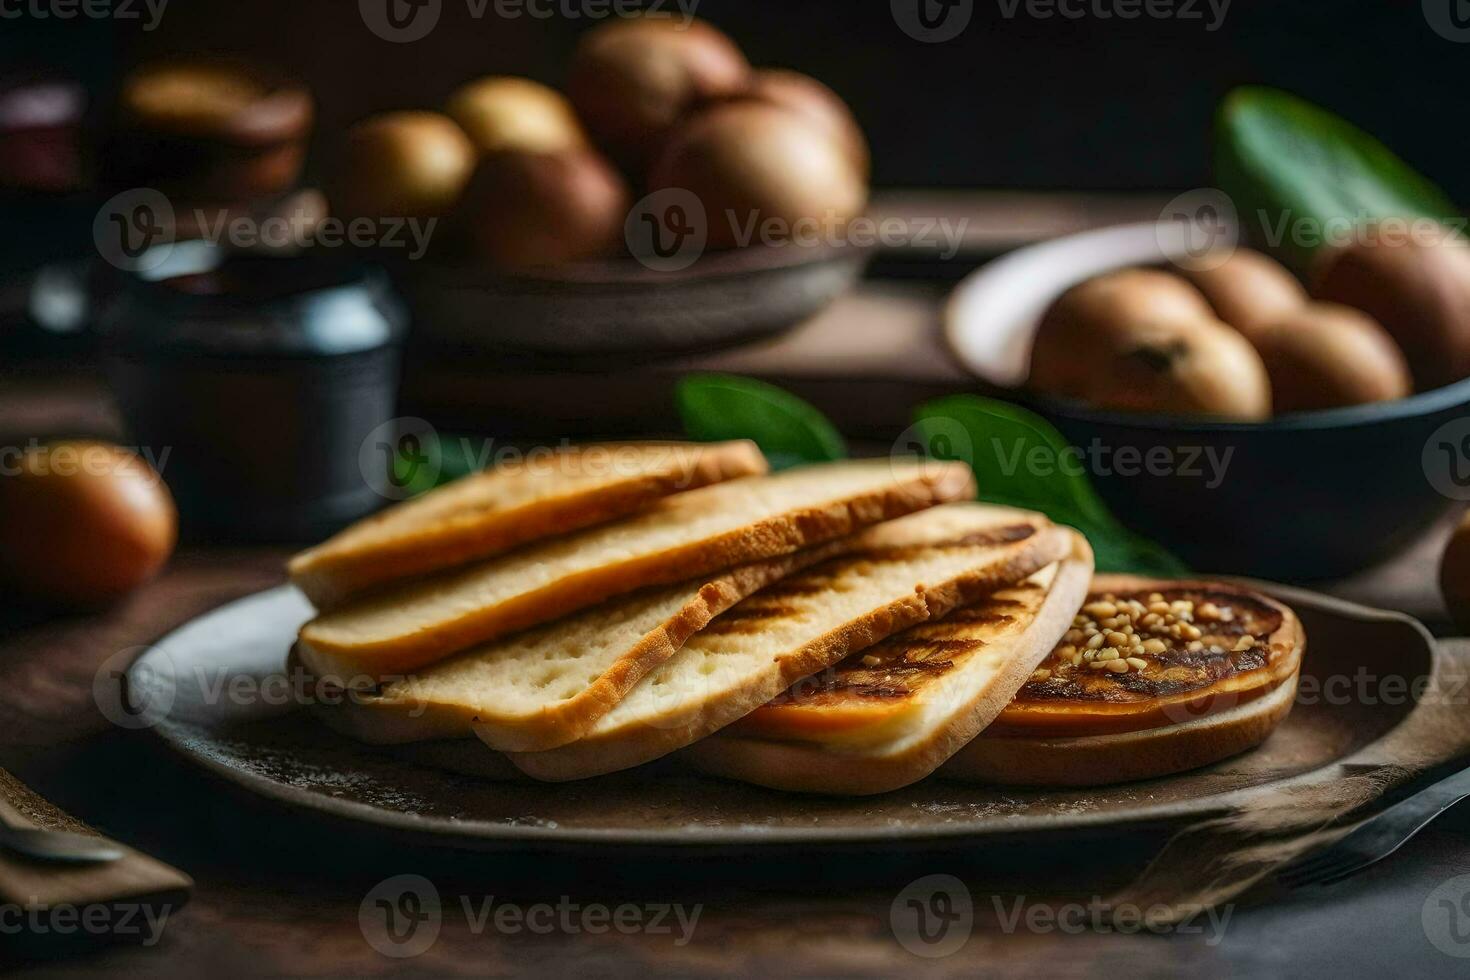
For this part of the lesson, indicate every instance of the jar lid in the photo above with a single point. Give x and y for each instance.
(205, 299)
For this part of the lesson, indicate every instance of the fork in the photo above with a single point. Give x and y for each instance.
(1377, 837)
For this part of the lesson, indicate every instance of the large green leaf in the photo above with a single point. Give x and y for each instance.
(789, 431)
(1296, 173)
(1020, 460)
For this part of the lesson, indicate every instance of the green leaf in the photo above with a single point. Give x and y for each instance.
(714, 407)
(1282, 159)
(1020, 460)
(1014, 453)
(460, 456)
(453, 457)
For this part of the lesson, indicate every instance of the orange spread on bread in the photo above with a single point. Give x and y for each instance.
(878, 685)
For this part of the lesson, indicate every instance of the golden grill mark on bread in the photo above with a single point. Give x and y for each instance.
(519, 501)
(748, 619)
(889, 715)
(897, 669)
(721, 675)
(772, 604)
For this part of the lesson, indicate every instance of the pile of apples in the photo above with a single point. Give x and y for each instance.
(522, 176)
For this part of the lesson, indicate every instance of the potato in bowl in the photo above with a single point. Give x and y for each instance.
(1302, 494)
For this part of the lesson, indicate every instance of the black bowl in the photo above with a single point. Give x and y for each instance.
(1307, 496)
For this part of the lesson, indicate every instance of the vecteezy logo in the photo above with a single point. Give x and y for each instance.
(400, 458)
(134, 230)
(667, 230)
(1446, 917)
(135, 688)
(932, 444)
(400, 21)
(1446, 459)
(400, 917)
(932, 21)
(1181, 712)
(1450, 19)
(933, 916)
(1199, 229)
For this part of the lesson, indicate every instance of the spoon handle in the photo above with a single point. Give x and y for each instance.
(58, 845)
(131, 877)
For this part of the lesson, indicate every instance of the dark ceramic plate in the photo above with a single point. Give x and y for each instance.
(279, 751)
(1312, 495)
(620, 306)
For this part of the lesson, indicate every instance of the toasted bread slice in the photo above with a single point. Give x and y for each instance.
(1208, 671)
(501, 508)
(892, 714)
(895, 575)
(1122, 757)
(547, 686)
(689, 534)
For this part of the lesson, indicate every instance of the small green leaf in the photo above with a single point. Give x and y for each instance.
(1020, 460)
(1014, 454)
(460, 456)
(1283, 160)
(452, 457)
(715, 407)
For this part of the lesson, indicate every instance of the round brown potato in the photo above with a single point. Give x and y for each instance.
(1454, 575)
(817, 102)
(526, 210)
(1418, 287)
(1105, 306)
(1122, 296)
(1248, 289)
(506, 113)
(82, 523)
(402, 165)
(762, 172)
(1141, 340)
(631, 79)
(1323, 355)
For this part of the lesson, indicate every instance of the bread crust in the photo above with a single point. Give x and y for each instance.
(922, 487)
(817, 767)
(1100, 760)
(370, 554)
(634, 744)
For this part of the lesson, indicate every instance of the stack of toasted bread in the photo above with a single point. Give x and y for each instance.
(846, 627)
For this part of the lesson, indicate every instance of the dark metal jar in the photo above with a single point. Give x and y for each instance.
(260, 377)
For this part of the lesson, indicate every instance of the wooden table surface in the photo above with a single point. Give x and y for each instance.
(279, 891)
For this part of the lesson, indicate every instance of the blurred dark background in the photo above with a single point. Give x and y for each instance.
(1089, 102)
(1085, 100)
